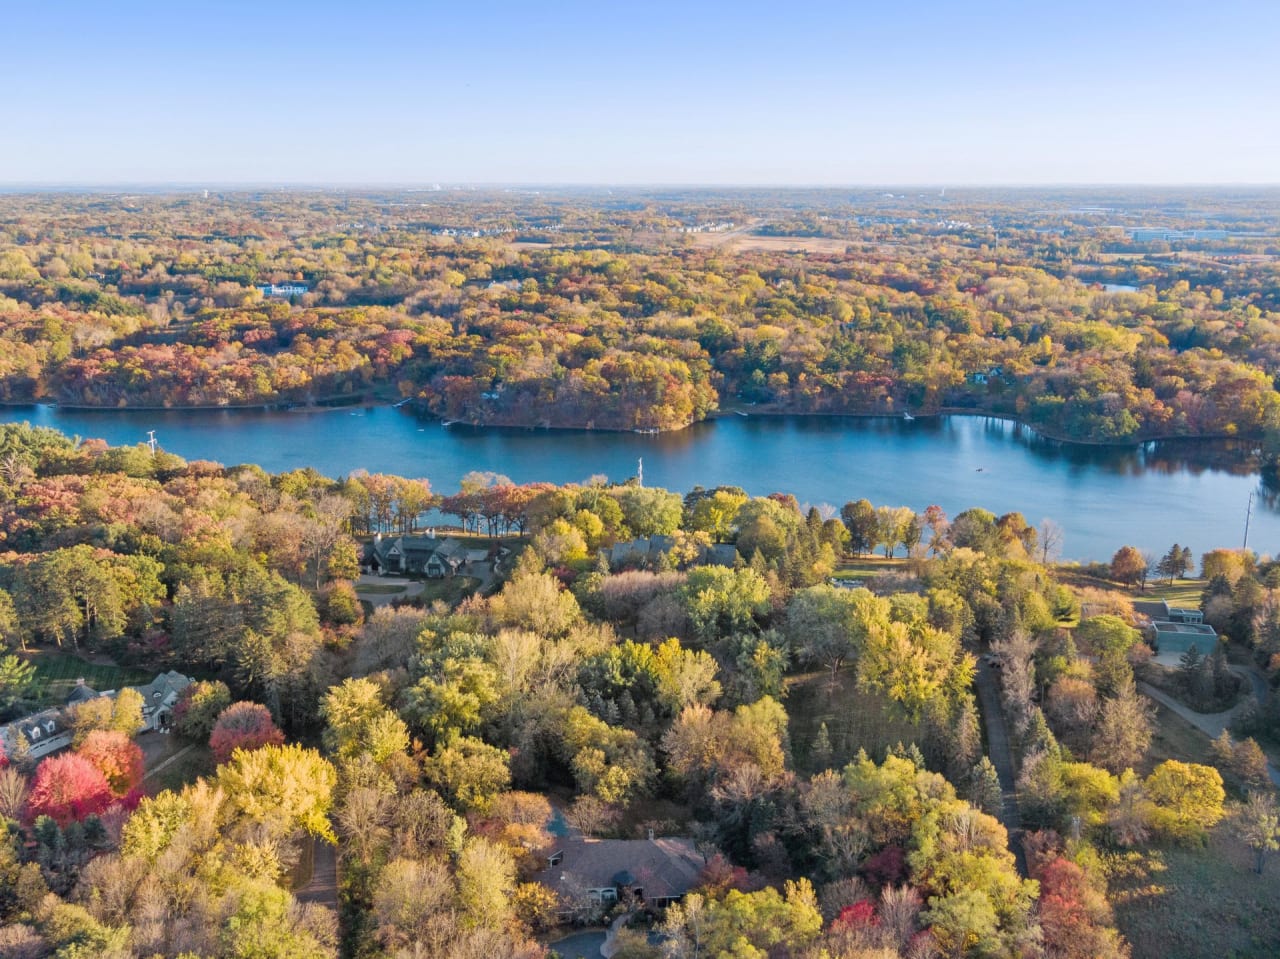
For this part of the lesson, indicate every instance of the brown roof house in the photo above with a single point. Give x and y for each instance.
(590, 873)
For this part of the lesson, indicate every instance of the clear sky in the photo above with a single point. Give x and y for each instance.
(607, 91)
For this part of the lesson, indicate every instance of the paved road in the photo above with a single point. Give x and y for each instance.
(1211, 724)
(1001, 755)
(323, 887)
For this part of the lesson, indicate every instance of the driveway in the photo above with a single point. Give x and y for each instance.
(1211, 724)
(382, 594)
(1001, 755)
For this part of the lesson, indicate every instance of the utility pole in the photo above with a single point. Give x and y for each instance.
(640, 473)
(1248, 513)
(151, 441)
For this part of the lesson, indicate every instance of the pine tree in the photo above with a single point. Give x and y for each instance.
(820, 755)
(984, 787)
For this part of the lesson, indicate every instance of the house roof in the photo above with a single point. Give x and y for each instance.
(163, 690)
(663, 868)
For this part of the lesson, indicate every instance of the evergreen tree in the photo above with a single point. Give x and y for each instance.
(820, 755)
(984, 787)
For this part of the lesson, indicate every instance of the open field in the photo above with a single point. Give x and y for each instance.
(740, 242)
(855, 719)
(452, 589)
(1183, 592)
(57, 672)
(866, 566)
(1204, 903)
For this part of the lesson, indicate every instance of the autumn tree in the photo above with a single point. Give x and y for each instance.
(66, 788)
(1257, 822)
(1129, 566)
(243, 726)
(116, 756)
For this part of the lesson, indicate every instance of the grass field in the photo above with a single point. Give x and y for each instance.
(855, 719)
(867, 566)
(379, 589)
(1202, 903)
(452, 590)
(1183, 592)
(57, 672)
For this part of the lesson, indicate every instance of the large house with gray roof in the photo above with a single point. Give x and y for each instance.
(418, 555)
(598, 872)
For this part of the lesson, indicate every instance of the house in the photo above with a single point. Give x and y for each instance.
(1174, 639)
(158, 699)
(284, 290)
(655, 872)
(645, 551)
(37, 735)
(50, 730)
(1159, 611)
(425, 555)
(982, 377)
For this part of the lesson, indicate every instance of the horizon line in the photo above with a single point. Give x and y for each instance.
(436, 186)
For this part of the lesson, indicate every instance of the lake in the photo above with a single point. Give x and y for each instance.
(1103, 498)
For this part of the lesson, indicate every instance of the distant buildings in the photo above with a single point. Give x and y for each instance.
(285, 290)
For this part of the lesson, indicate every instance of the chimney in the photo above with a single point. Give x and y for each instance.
(79, 680)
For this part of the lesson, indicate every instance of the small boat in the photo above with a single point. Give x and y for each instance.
(978, 470)
(447, 423)
(908, 417)
(396, 406)
(740, 413)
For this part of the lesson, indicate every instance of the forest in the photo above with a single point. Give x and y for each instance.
(1088, 316)
(813, 722)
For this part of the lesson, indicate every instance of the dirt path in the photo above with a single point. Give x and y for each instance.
(998, 750)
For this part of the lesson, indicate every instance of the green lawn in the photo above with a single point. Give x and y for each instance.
(1183, 592)
(378, 589)
(855, 719)
(57, 672)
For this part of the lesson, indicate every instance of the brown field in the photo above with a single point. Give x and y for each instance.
(1176, 903)
(740, 242)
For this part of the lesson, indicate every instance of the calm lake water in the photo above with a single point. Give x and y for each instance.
(1149, 496)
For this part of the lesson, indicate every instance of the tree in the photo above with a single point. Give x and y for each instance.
(67, 788)
(243, 726)
(486, 880)
(1174, 563)
(16, 680)
(1124, 730)
(359, 721)
(985, 791)
(282, 787)
(1187, 799)
(198, 708)
(1128, 566)
(860, 519)
(721, 602)
(1050, 541)
(829, 626)
(117, 757)
(126, 711)
(1257, 822)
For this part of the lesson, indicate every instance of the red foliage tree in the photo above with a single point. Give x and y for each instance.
(243, 725)
(66, 788)
(116, 756)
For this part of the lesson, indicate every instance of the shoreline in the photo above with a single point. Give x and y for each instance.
(761, 411)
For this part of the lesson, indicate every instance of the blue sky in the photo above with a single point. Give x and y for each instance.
(987, 91)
